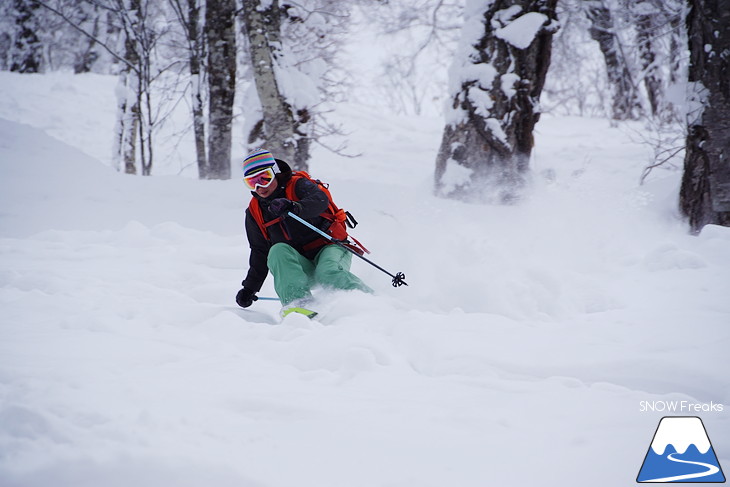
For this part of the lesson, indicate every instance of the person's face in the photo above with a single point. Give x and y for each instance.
(263, 182)
(267, 191)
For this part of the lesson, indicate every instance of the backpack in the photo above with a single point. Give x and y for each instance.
(339, 219)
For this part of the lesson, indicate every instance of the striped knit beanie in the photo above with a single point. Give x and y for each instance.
(257, 160)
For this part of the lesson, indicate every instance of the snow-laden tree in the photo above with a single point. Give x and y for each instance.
(705, 191)
(495, 84)
(293, 50)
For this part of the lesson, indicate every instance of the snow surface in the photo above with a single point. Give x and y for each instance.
(518, 354)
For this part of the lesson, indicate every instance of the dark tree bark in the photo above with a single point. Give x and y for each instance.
(197, 51)
(5, 47)
(486, 147)
(705, 191)
(625, 103)
(27, 54)
(221, 42)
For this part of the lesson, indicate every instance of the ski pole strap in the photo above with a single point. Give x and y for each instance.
(398, 279)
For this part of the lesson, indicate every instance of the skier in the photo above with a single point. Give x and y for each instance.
(297, 257)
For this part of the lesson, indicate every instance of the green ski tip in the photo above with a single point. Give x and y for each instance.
(302, 311)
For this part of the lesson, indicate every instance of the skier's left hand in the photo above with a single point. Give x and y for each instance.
(245, 297)
(280, 207)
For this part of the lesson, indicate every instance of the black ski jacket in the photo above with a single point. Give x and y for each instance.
(313, 202)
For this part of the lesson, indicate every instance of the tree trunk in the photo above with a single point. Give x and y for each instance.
(645, 32)
(496, 86)
(128, 107)
(5, 48)
(281, 126)
(677, 41)
(125, 148)
(705, 191)
(221, 42)
(196, 52)
(625, 103)
(27, 50)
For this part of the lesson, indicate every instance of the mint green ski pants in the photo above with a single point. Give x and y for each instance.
(294, 274)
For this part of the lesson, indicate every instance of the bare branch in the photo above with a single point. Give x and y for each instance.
(90, 36)
(648, 169)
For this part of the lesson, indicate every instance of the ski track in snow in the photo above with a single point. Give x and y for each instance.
(537, 327)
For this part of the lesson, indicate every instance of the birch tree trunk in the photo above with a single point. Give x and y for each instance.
(128, 115)
(705, 191)
(280, 129)
(221, 42)
(127, 122)
(495, 86)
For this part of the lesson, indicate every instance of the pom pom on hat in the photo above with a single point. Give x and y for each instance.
(258, 160)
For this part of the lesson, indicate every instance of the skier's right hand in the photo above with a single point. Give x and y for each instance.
(245, 297)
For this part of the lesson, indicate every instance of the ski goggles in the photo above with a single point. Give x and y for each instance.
(261, 179)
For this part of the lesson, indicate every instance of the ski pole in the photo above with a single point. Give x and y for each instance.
(398, 278)
(265, 298)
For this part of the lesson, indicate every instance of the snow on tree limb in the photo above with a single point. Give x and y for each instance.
(522, 30)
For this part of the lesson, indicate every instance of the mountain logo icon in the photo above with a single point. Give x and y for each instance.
(681, 452)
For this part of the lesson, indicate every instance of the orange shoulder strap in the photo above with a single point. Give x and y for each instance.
(255, 208)
(291, 192)
(291, 185)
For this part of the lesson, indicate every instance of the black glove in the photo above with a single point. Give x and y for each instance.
(280, 206)
(245, 297)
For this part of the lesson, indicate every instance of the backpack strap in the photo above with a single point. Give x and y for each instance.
(291, 187)
(255, 208)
